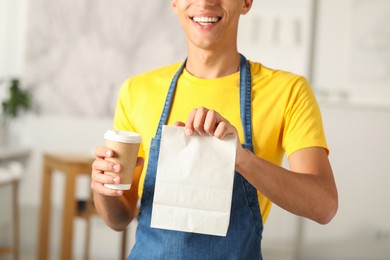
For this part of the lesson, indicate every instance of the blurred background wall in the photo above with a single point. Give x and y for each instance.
(73, 55)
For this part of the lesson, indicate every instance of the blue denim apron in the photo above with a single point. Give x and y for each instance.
(243, 239)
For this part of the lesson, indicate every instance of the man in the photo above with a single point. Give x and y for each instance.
(218, 92)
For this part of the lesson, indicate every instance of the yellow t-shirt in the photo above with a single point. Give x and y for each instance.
(285, 114)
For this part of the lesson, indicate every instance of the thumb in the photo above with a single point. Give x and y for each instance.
(140, 161)
(178, 123)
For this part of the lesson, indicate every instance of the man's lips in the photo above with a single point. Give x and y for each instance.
(206, 20)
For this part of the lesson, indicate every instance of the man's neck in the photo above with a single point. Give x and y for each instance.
(212, 64)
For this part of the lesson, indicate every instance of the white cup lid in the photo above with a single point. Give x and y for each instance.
(123, 136)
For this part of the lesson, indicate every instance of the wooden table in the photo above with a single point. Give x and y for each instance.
(71, 166)
(8, 154)
(14, 249)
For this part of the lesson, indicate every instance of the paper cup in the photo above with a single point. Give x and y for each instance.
(125, 146)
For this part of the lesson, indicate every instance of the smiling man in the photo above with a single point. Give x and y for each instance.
(217, 92)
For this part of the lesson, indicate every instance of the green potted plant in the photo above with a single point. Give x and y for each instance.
(15, 101)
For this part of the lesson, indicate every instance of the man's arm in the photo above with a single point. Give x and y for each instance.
(307, 190)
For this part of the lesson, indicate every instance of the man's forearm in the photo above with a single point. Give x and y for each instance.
(305, 194)
(116, 212)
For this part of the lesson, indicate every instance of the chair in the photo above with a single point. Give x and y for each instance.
(9, 176)
(86, 210)
(71, 166)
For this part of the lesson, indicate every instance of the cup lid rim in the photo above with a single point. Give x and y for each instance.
(123, 136)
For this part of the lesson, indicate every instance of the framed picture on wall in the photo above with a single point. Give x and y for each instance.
(369, 52)
(352, 54)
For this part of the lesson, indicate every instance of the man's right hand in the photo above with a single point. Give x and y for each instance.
(100, 165)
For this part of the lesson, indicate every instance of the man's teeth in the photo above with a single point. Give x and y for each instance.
(206, 19)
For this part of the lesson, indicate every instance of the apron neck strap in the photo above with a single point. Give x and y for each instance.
(246, 100)
(168, 101)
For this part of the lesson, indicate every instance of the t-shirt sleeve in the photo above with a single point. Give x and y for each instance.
(303, 126)
(123, 110)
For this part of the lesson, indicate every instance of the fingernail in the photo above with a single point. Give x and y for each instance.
(116, 180)
(116, 167)
(108, 153)
(188, 131)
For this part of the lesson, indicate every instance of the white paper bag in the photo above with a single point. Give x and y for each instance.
(194, 182)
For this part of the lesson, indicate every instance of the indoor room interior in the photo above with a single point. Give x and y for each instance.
(68, 59)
